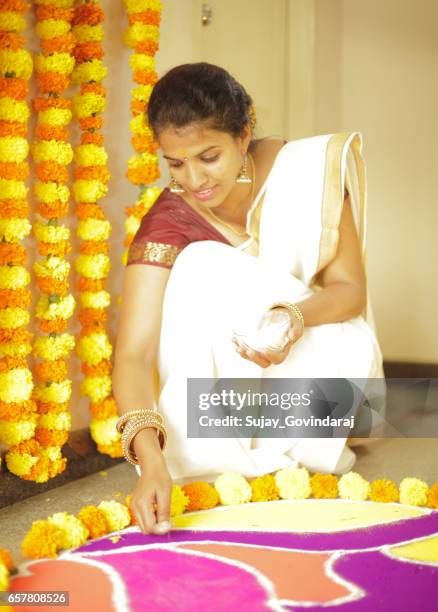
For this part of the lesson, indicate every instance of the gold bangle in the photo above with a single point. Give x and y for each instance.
(292, 308)
(124, 418)
(132, 430)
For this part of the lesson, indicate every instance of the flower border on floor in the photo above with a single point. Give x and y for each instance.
(63, 531)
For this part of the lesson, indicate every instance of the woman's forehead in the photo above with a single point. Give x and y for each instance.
(183, 141)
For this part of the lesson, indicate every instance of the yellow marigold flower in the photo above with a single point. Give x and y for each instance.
(18, 62)
(51, 192)
(89, 190)
(104, 431)
(139, 6)
(52, 150)
(13, 229)
(94, 229)
(14, 277)
(86, 33)
(93, 70)
(51, 28)
(62, 63)
(148, 197)
(60, 421)
(4, 581)
(384, 491)
(324, 486)
(90, 155)
(93, 266)
(87, 104)
(15, 385)
(94, 520)
(12, 22)
(51, 233)
(96, 387)
(74, 533)
(55, 392)
(52, 453)
(202, 496)
(353, 486)
(293, 483)
(44, 539)
(142, 93)
(11, 318)
(12, 433)
(116, 514)
(59, 117)
(264, 489)
(97, 299)
(132, 224)
(178, 501)
(413, 492)
(141, 61)
(20, 464)
(54, 348)
(139, 32)
(124, 260)
(14, 110)
(57, 3)
(11, 189)
(93, 348)
(232, 488)
(13, 149)
(62, 309)
(53, 266)
(13, 350)
(139, 125)
(142, 159)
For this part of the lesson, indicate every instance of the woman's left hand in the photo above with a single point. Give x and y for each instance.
(267, 357)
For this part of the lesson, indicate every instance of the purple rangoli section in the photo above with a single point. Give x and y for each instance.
(355, 539)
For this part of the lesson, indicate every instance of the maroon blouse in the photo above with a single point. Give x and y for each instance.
(169, 226)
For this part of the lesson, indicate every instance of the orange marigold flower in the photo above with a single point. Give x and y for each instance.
(85, 210)
(94, 247)
(11, 40)
(86, 331)
(59, 44)
(148, 17)
(432, 496)
(324, 486)
(98, 173)
(91, 138)
(91, 316)
(137, 107)
(48, 437)
(145, 77)
(88, 14)
(15, 6)
(13, 87)
(17, 336)
(10, 363)
(48, 210)
(6, 559)
(384, 490)
(51, 11)
(18, 171)
(15, 298)
(46, 407)
(144, 175)
(59, 249)
(148, 47)
(14, 208)
(104, 409)
(50, 170)
(55, 326)
(51, 132)
(51, 286)
(90, 284)
(13, 253)
(264, 488)
(101, 369)
(57, 467)
(96, 88)
(202, 496)
(52, 82)
(94, 520)
(13, 128)
(113, 450)
(55, 370)
(14, 411)
(42, 104)
(142, 144)
(87, 51)
(91, 123)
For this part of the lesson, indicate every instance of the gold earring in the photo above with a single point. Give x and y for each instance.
(175, 187)
(243, 176)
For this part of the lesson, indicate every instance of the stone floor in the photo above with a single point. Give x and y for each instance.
(392, 458)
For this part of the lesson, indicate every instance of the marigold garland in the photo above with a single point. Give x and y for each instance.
(52, 154)
(17, 409)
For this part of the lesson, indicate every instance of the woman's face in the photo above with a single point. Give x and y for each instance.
(204, 161)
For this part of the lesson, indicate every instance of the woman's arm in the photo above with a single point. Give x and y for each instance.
(135, 358)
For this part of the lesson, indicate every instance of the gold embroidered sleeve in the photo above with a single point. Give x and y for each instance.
(157, 253)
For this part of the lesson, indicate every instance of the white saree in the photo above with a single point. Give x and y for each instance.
(215, 289)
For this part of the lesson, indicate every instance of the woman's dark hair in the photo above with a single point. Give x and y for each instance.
(200, 92)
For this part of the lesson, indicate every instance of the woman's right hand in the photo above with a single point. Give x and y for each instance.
(151, 497)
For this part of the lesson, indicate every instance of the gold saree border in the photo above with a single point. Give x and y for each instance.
(153, 252)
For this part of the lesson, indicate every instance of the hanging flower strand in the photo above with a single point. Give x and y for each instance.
(52, 154)
(93, 264)
(17, 409)
(142, 35)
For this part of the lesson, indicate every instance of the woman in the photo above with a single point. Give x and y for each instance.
(255, 234)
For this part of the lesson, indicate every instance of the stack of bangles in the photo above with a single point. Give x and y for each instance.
(130, 423)
(293, 309)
